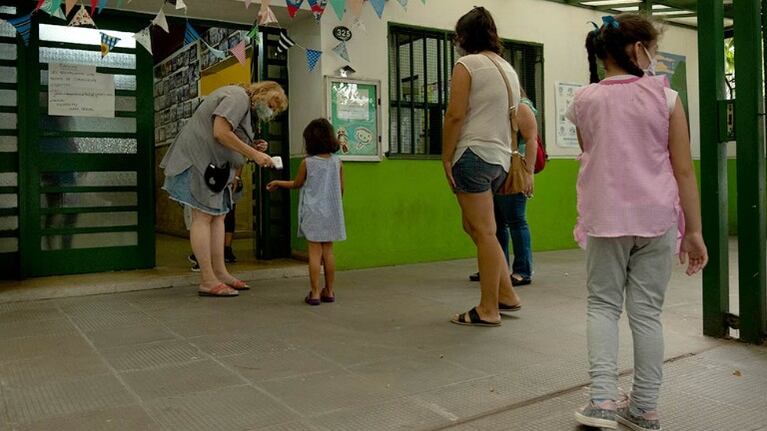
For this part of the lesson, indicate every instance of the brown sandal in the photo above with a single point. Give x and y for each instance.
(220, 291)
(238, 285)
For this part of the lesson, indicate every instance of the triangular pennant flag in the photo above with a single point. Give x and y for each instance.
(339, 6)
(359, 24)
(190, 35)
(161, 21)
(356, 7)
(144, 38)
(238, 51)
(70, 5)
(253, 33)
(217, 52)
(40, 4)
(378, 5)
(403, 3)
(312, 57)
(285, 42)
(247, 3)
(293, 6)
(266, 15)
(180, 5)
(318, 8)
(60, 15)
(342, 52)
(102, 3)
(120, 3)
(82, 18)
(94, 5)
(23, 25)
(107, 43)
(51, 6)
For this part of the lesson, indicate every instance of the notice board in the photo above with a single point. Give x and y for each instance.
(353, 107)
(79, 91)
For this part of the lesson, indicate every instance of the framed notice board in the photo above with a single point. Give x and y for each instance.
(353, 107)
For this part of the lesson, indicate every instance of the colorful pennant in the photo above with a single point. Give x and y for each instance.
(120, 3)
(94, 5)
(107, 43)
(102, 3)
(342, 51)
(190, 35)
(312, 58)
(144, 38)
(356, 7)
(238, 51)
(378, 5)
(219, 54)
(39, 4)
(69, 6)
(285, 42)
(253, 33)
(82, 18)
(180, 5)
(23, 25)
(266, 15)
(161, 21)
(358, 24)
(293, 6)
(403, 3)
(339, 6)
(318, 8)
(51, 6)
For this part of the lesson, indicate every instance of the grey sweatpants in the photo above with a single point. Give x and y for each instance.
(637, 269)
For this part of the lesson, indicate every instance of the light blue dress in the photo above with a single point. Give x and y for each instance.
(320, 207)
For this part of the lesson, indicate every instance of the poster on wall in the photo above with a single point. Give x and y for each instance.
(566, 134)
(352, 108)
(79, 91)
(674, 67)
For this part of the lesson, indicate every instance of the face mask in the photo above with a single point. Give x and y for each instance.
(653, 62)
(264, 112)
(461, 52)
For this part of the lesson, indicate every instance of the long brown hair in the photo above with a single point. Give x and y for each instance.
(611, 41)
(476, 32)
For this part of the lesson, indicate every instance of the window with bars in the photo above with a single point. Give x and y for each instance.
(420, 66)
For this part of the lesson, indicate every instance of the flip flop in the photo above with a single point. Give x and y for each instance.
(238, 285)
(220, 291)
(509, 307)
(312, 301)
(520, 281)
(471, 318)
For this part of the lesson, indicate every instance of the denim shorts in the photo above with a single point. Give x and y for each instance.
(178, 188)
(474, 175)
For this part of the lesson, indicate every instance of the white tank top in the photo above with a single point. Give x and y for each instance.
(486, 128)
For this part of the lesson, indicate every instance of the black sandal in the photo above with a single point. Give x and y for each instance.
(471, 318)
(520, 281)
(508, 307)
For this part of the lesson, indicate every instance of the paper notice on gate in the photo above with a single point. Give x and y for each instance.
(79, 91)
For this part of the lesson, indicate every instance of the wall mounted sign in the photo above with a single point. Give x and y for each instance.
(342, 33)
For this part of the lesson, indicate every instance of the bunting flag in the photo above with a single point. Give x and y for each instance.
(359, 24)
(144, 38)
(339, 6)
(247, 3)
(238, 51)
(51, 6)
(107, 43)
(102, 3)
(70, 5)
(160, 21)
(82, 18)
(253, 33)
(219, 54)
(285, 42)
(356, 7)
(180, 5)
(318, 8)
(39, 4)
(342, 52)
(94, 5)
(403, 3)
(190, 35)
(293, 6)
(59, 14)
(120, 3)
(23, 25)
(266, 15)
(378, 5)
(312, 58)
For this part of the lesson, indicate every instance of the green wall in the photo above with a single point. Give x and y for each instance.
(401, 211)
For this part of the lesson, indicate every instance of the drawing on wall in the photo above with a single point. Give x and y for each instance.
(566, 134)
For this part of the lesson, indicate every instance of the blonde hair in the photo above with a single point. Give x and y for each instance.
(266, 91)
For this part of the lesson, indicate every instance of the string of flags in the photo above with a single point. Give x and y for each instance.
(266, 17)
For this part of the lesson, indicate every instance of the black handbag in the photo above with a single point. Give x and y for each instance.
(216, 178)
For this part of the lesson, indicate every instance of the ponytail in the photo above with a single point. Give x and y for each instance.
(591, 49)
(612, 40)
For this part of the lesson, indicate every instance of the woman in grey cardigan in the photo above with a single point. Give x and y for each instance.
(201, 164)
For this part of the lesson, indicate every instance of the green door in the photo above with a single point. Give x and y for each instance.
(86, 183)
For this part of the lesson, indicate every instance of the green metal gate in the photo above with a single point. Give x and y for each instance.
(86, 195)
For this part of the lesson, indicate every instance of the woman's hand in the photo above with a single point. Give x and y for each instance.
(260, 145)
(448, 165)
(529, 185)
(272, 186)
(693, 252)
(261, 159)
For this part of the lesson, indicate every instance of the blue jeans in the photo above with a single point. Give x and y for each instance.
(510, 218)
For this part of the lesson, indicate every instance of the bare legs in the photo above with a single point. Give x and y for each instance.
(321, 254)
(207, 238)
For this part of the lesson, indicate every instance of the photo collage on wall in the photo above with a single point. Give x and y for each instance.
(176, 93)
(222, 39)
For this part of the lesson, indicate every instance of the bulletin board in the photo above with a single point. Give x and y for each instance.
(353, 107)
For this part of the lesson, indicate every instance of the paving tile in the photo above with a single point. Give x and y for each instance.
(400, 414)
(278, 364)
(234, 408)
(117, 319)
(152, 355)
(236, 344)
(132, 418)
(129, 335)
(179, 379)
(31, 313)
(23, 328)
(45, 369)
(35, 403)
(44, 345)
(324, 392)
(291, 426)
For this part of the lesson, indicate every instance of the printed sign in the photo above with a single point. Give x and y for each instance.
(79, 91)
(353, 111)
(342, 33)
(567, 137)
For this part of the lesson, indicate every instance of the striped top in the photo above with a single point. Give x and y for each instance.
(320, 207)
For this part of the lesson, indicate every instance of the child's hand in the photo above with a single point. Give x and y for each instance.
(693, 253)
(272, 186)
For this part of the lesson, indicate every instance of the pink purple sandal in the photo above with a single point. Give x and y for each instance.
(238, 285)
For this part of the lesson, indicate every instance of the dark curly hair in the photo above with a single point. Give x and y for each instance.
(476, 32)
(320, 138)
(612, 42)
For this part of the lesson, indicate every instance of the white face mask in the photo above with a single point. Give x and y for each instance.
(653, 62)
(264, 112)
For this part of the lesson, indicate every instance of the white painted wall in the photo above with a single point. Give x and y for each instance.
(307, 100)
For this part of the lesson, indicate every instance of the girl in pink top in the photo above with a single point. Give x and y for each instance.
(637, 193)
